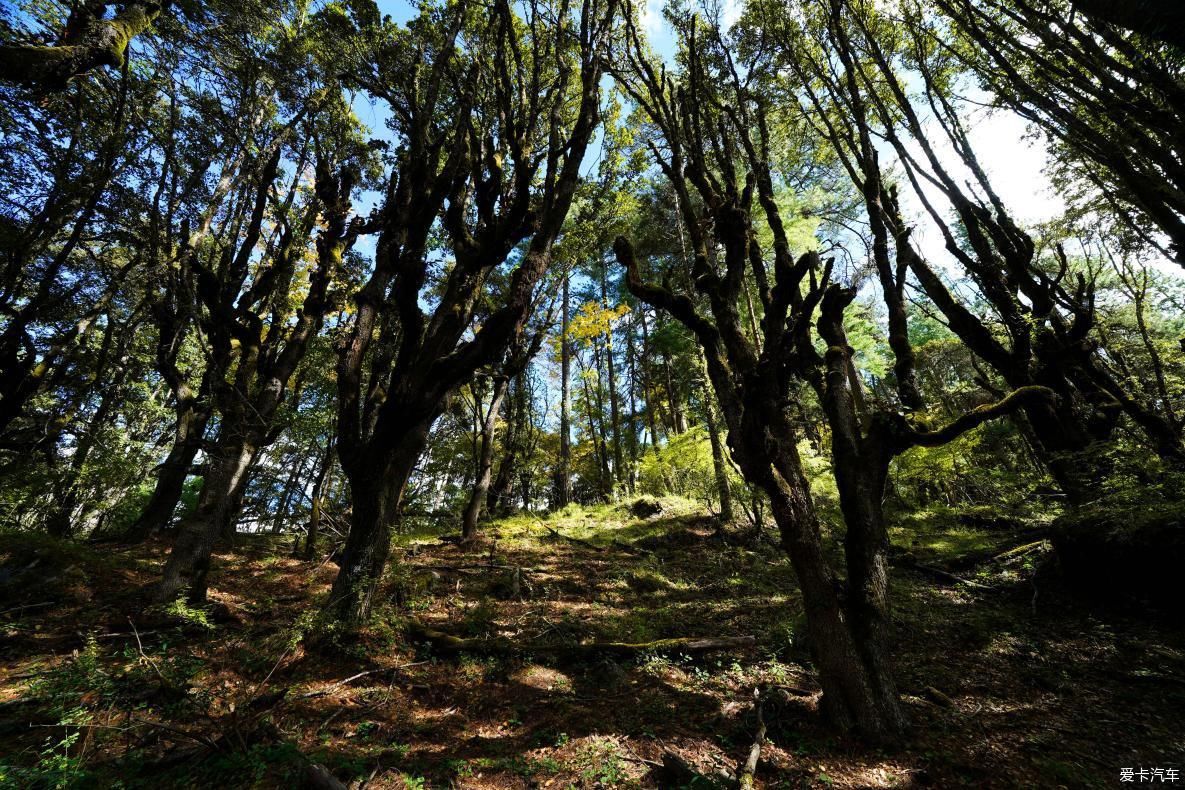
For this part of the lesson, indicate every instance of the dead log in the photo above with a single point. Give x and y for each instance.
(937, 697)
(1021, 550)
(749, 770)
(451, 645)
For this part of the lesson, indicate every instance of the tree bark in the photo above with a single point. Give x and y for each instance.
(857, 691)
(88, 43)
(719, 465)
(647, 388)
(171, 476)
(498, 499)
(376, 492)
(564, 473)
(614, 407)
(189, 562)
(318, 504)
(485, 463)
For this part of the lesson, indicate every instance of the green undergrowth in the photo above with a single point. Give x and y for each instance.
(942, 535)
(600, 524)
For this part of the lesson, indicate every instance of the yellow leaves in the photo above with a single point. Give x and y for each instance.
(594, 320)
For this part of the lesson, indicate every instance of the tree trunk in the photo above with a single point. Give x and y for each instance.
(647, 389)
(318, 504)
(231, 513)
(376, 492)
(858, 692)
(375, 504)
(608, 474)
(860, 469)
(189, 562)
(564, 473)
(614, 407)
(719, 465)
(485, 463)
(678, 425)
(632, 357)
(498, 499)
(171, 476)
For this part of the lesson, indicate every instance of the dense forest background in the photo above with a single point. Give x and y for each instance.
(498, 394)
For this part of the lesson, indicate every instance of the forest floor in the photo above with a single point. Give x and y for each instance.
(1008, 680)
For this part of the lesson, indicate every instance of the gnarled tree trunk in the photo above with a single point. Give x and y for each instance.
(189, 562)
(376, 492)
(171, 476)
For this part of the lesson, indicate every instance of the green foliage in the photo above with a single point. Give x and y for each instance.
(81, 675)
(600, 763)
(55, 769)
(192, 615)
(683, 467)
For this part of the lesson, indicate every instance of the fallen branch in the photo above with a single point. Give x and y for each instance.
(749, 769)
(28, 606)
(1021, 550)
(937, 573)
(120, 634)
(346, 681)
(449, 644)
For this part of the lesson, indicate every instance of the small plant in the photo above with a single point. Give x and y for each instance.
(600, 763)
(55, 767)
(546, 765)
(81, 677)
(479, 620)
(655, 664)
(192, 615)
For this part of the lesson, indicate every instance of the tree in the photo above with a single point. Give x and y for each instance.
(517, 356)
(499, 189)
(709, 124)
(1110, 101)
(1039, 329)
(253, 360)
(563, 484)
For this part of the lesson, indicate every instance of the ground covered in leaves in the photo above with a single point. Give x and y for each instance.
(1008, 679)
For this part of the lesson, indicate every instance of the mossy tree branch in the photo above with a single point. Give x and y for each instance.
(88, 43)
